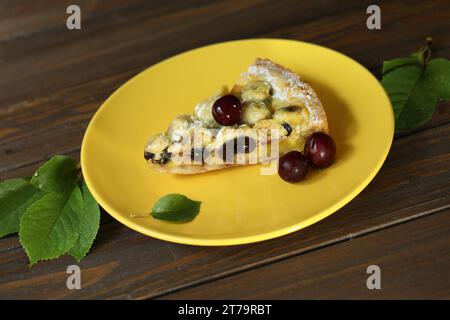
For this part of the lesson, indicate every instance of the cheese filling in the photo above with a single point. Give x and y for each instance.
(198, 138)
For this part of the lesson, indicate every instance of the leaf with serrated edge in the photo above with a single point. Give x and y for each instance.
(59, 174)
(89, 226)
(50, 226)
(414, 90)
(15, 197)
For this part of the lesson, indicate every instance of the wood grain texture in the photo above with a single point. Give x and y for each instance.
(413, 259)
(53, 80)
(142, 267)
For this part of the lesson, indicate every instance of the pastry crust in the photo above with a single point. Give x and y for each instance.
(186, 168)
(289, 97)
(288, 89)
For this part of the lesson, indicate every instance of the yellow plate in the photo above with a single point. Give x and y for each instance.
(238, 205)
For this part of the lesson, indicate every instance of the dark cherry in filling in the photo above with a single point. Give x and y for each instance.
(248, 146)
(148, 155)
(197, 155)
(165, 157)
(227, 110)
(290, 108)
(287, 127)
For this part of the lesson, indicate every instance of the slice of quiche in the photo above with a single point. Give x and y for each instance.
(276, 108)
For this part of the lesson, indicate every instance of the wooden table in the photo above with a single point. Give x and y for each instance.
(53, 80)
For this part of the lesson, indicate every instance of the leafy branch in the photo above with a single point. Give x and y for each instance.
(415, 84)
(54, 212)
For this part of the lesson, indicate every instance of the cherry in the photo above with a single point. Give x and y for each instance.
(148, 155)
(320, 150)
(235, 146)
(293, 166)
(227, 110)
(197, 155)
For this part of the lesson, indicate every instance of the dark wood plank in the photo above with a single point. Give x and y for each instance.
(413, 183)
(53, 81)
(130, 43)
(55, 125)
(404, 25)
(28, 18)
(413, 257)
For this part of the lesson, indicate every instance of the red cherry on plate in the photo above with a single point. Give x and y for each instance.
(320, 150)
(293, 166)
(227, 110)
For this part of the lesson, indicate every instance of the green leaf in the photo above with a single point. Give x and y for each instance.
(437, 78)
(175, 208)
(414, 89)
(50, 226)
(15, 197)
(390, 65)
(59, 174)
(399, 84)
(89, 226)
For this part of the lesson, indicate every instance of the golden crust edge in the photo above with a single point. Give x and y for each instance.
(187, 168)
